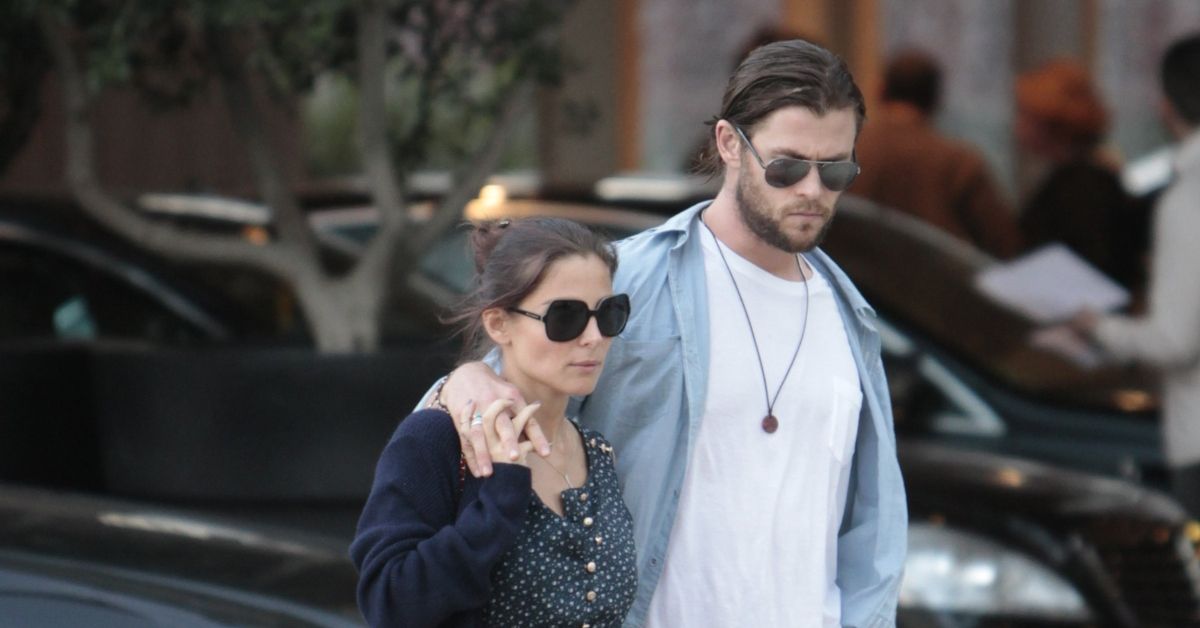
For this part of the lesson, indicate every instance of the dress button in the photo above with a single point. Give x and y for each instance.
(587, 522)
(591, 567)
(591, 596)
(599, 539)
(583, 497)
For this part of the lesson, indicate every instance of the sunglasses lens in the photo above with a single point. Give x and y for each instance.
(612, 315)
(785, 172)
(839, 175)
(565, 320)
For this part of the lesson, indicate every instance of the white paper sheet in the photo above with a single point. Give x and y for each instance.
(1050, 285)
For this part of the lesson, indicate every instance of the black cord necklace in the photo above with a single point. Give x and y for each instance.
(769, 422)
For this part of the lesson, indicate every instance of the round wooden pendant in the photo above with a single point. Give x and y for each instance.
(770, 424)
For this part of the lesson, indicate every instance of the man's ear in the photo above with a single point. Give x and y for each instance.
(496, 325)
(728, 143)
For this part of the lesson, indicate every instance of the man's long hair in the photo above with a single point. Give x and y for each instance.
(783, 74)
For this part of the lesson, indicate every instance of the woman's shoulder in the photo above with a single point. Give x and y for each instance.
(428, 428)
(594, 440)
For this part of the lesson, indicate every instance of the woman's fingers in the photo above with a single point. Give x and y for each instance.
(533, 431)
(522, 419)
(495, 414)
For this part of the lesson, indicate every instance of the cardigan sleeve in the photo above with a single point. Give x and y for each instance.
(422, 559)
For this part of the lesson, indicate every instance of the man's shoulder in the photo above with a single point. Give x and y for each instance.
(647, 249)
(843, 286)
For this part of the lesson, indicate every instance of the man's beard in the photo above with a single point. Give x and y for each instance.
(754, 210)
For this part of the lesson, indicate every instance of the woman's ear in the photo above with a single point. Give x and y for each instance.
(495, 323)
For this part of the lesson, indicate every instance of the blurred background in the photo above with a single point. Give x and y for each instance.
(228, 229)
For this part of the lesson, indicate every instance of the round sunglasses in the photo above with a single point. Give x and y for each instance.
(566, 319)
(784, 172)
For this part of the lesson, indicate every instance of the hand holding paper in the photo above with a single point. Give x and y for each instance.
(1050, 285)
(1053, 287)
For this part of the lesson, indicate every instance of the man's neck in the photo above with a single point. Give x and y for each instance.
(723, 219)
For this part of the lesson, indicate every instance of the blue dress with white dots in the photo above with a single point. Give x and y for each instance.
(579, 569)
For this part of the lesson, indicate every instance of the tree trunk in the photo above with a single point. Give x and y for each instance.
(343, 314)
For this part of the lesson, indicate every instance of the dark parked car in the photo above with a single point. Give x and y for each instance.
(68, 279)
(68, 560)
(963, 370)
(71, 291)
(997, 539)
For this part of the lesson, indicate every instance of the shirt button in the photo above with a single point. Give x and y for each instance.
(591, 596)
(591, 567)
(587, 522)
(583, 497)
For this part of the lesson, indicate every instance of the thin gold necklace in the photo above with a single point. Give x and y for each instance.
(566, 478)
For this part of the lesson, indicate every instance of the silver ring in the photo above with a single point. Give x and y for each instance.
(477, 419)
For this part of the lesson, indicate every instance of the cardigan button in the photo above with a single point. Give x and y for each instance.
(587, 522)
(599, 539)
(583, 497)
(591, 567)
(591, 596)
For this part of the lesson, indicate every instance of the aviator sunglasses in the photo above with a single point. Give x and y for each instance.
(567, 318)
(784, 172)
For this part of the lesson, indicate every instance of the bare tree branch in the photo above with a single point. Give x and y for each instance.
(294, 232)
(377, 156)
(468, 181)
(162, 238)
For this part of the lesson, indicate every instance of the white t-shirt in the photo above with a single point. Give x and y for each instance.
(755, 539)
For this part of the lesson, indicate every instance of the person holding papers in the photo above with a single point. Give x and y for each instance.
(1168, 335)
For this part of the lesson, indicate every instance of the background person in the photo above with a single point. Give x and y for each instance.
(748, 390)
(543, 541)
(907, 164)
(1168, 335)
(1080, 201)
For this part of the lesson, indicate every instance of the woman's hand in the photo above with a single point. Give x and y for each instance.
(476, 381)
(484, 427)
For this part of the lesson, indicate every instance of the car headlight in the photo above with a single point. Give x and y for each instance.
(954, 571)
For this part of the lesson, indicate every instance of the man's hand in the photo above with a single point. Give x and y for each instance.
(475, 382)
(484, 424)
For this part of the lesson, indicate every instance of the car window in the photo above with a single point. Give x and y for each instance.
(927, 396)
(47, 295)
(448, 263)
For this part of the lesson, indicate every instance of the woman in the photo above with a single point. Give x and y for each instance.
(543, 541)
(1061, 122)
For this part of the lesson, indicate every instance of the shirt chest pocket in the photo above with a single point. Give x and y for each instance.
(841, 429)
(642, 381)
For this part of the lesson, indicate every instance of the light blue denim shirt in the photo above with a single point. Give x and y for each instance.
(650, 400)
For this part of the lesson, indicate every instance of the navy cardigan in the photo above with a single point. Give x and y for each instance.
(428, 537)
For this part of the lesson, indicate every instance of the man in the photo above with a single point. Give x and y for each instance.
(746, 398)
(1168, 335)
(910, 166)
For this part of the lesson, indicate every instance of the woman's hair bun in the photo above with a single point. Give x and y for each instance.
(484, 237)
